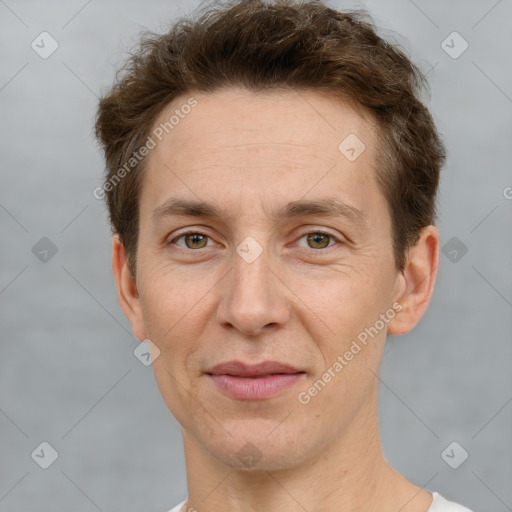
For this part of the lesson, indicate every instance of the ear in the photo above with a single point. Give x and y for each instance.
(415, 284)
(127, 293)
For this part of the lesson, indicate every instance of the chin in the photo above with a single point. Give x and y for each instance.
(253, 449)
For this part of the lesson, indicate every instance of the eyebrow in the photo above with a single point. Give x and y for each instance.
(327, 207)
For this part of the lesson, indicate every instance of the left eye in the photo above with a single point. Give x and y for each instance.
(318, 239)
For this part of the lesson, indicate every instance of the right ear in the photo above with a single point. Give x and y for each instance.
(127, 293)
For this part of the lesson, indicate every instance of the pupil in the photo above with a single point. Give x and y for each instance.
(196, 238)
(317, 236)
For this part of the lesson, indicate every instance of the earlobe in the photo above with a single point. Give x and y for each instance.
(417, 281)
(127, 293)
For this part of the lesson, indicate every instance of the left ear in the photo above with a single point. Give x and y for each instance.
(416, 281)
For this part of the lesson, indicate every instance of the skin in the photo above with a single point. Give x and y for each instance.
(299, 303)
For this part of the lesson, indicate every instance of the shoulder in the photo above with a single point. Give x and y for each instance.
(440, 504)
(177, 508)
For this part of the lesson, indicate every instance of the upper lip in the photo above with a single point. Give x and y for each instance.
(239, 369)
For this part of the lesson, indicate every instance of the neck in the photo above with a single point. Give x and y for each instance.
(349, 475)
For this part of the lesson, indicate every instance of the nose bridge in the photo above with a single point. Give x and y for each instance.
(253, 297)
(252, 265)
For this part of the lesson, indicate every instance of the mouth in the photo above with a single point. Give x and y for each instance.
(257, 376)
(254, 382)
(264, 369)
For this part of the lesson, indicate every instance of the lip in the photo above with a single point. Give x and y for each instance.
(254, 382)
(239, 369)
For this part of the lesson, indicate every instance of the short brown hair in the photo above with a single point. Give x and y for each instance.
(273, 45)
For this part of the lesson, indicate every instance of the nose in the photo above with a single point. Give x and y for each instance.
(253, 297)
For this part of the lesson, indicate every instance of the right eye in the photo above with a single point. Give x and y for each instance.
(193, 240)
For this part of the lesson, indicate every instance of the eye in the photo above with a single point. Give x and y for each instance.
(193, 240)
(315, 239)
(319, 239)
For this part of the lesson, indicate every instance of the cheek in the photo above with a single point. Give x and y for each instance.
(176, 311)
(345, 310)
(344, 301)
(171, 311)
(170, 299)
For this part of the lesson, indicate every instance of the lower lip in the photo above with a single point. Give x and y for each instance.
(256, 388)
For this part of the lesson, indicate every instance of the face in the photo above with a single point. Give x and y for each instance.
(271, 271)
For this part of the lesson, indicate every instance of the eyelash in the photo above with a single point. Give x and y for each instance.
(315, 232)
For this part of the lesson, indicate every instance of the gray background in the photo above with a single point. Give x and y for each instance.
(68, 375)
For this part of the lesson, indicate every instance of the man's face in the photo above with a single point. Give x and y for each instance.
(250, 287)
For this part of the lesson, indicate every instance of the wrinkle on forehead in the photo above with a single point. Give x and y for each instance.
(292, 144)
(269, 155)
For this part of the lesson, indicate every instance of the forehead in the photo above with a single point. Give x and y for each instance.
(275, 145)
(307, 119)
